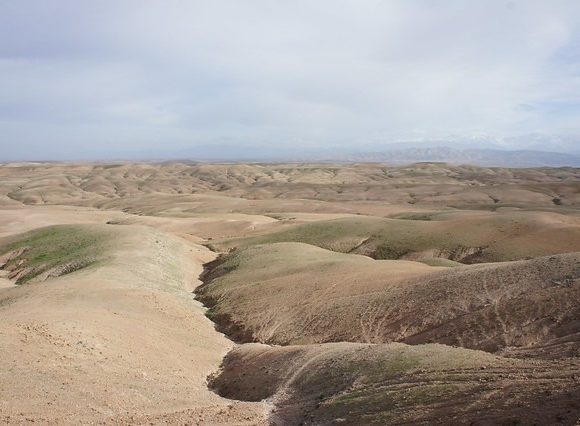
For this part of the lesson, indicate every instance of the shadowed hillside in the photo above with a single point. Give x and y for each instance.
(291, 293)
(354, 384)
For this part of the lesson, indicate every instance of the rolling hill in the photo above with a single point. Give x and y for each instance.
(356, 293)
(294, 293)
(117, 341)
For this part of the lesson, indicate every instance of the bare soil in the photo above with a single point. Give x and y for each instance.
(480, 290)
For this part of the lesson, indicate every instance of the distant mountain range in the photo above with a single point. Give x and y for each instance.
(390, 155)
(394, 154)
(478, 157)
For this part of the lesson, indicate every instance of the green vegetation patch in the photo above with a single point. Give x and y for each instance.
(425, 216)
(439, 261)
(66, 248)
(388, 252)
(340, 235)
(384, 239)
(377, 404)
(377, 387)
(382, 368)
(322, 234)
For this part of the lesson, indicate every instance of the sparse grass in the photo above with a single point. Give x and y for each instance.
(470, 239)
(341, 235)
(366, 384)
(388, 252)
(416, 216)
(383, 405)
(439, 261)
(63, 246)
(326, 234)
(375, 237)
(378, 401)
(210, 313)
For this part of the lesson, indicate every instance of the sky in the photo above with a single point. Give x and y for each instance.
(138, 78)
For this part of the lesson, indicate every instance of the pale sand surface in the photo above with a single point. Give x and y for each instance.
(124, 342)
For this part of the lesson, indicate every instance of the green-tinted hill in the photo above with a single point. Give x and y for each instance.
(53, 251)
(469, 238)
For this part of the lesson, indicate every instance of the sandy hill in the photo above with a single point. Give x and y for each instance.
(104, 329)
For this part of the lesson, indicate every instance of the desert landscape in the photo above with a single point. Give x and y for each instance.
(286, 294)
(290, 213)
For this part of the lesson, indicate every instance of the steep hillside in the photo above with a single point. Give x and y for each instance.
(294, 293)
(395, 384)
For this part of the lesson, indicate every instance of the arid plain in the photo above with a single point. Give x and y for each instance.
(289, 294)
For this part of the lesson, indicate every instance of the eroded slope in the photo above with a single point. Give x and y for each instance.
(294, 293)
(348, 383)
(119, 341)
(125, 185)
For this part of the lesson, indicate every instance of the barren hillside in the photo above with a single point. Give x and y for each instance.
(356, 293)
(434, 184)
(289, 293)
(108, 332)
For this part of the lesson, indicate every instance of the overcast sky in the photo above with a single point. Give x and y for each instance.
(106, 78)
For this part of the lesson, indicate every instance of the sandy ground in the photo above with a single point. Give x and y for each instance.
(5, 282)
(200, 227)
(123, 342)
(18, 219)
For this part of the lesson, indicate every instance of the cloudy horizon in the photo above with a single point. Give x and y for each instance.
(102, 79)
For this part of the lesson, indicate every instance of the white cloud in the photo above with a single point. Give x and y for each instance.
(321, 73)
